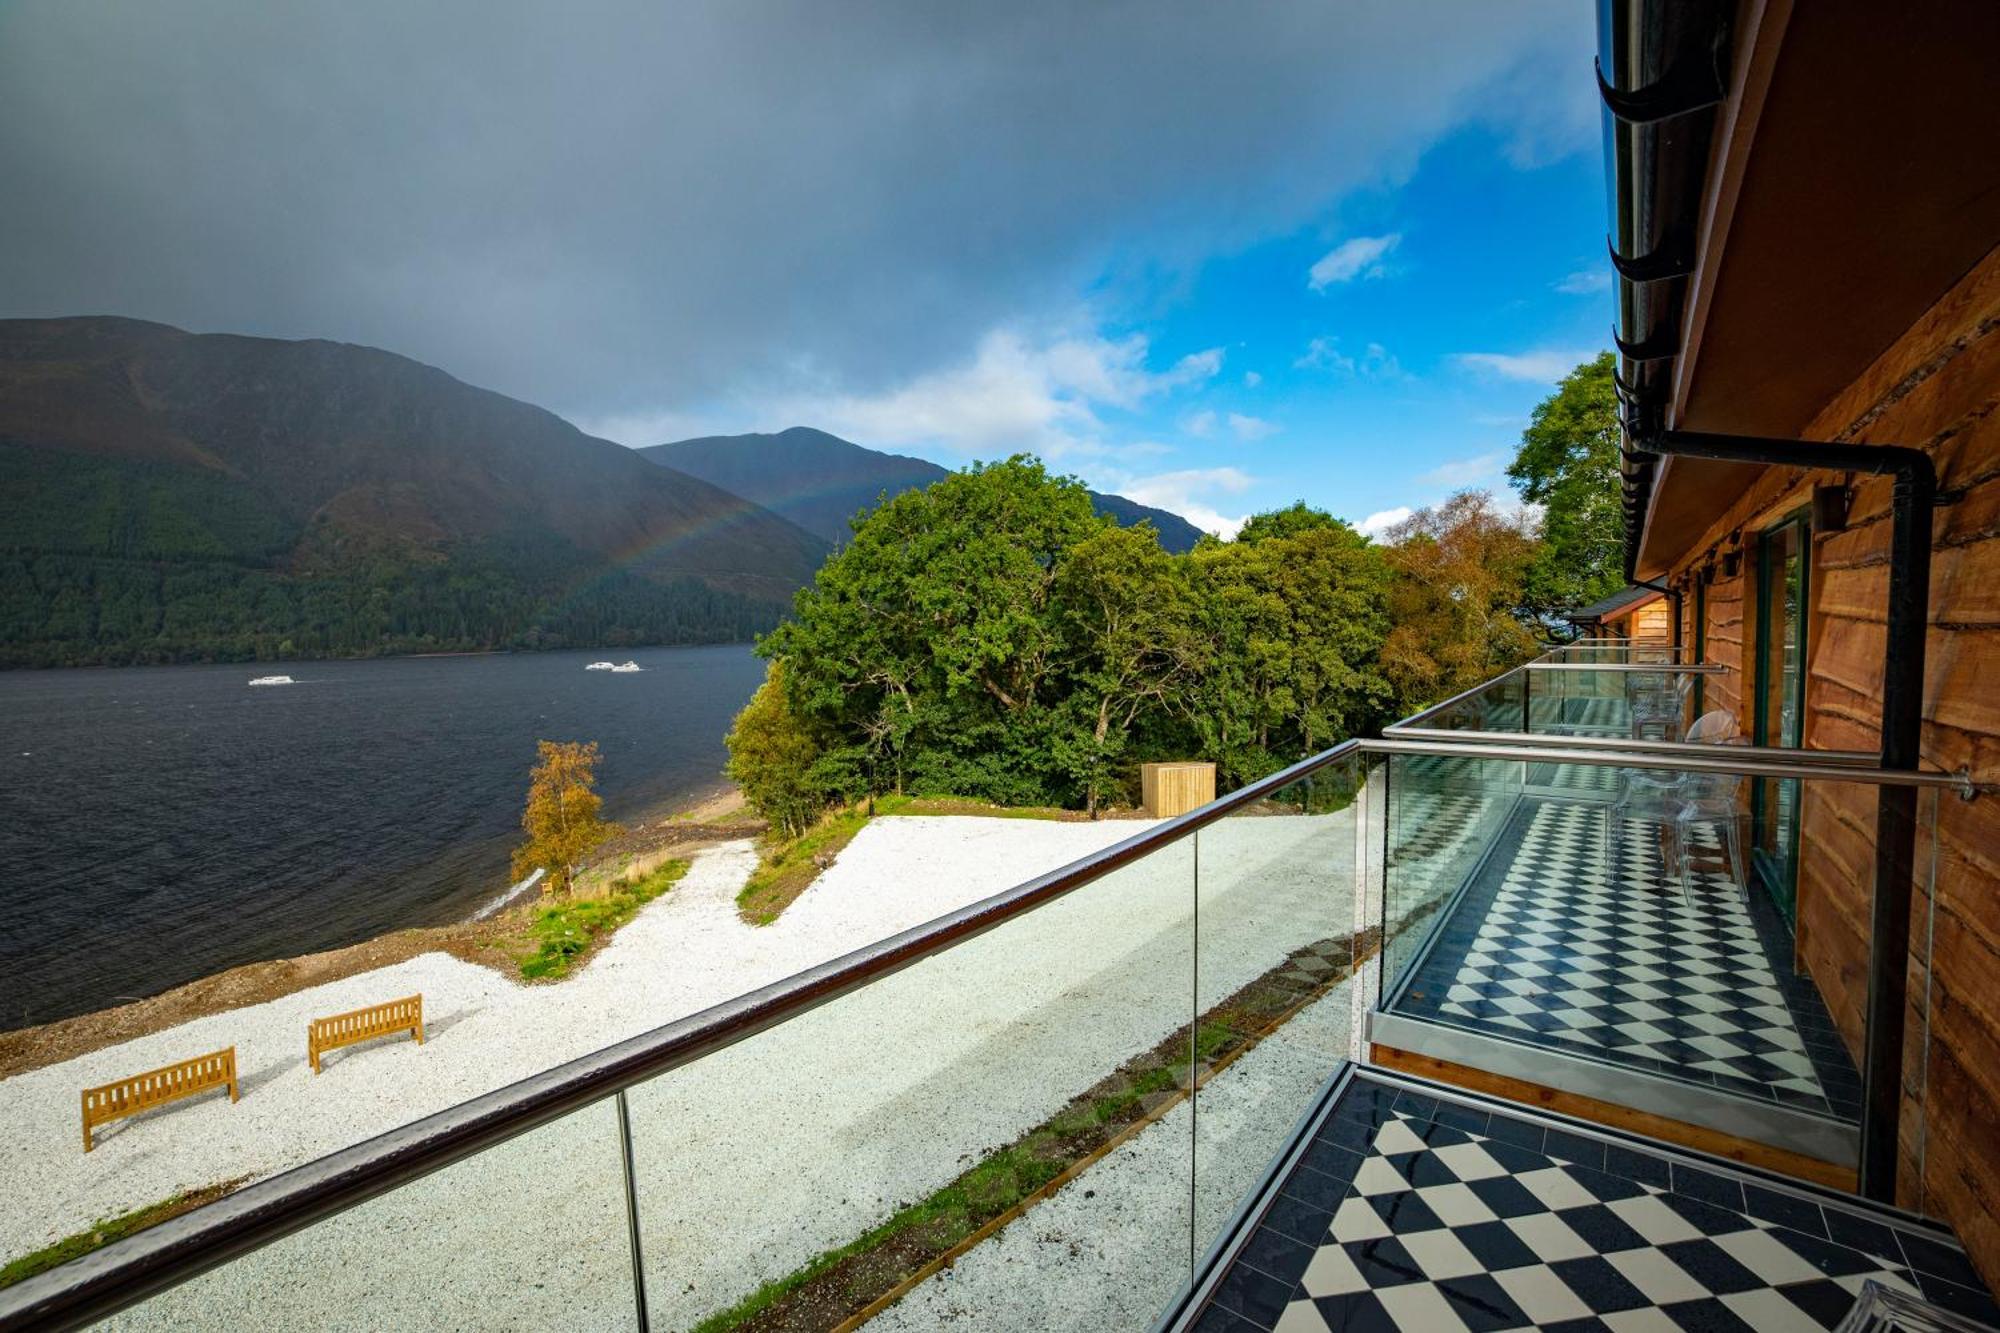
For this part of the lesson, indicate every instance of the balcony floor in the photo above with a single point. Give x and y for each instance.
(1543, 948)
(1412, 1208)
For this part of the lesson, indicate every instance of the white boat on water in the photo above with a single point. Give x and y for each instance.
(626, 668)
(272, 680)
(601, 666)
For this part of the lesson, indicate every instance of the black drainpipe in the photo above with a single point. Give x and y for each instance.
(1902, 738)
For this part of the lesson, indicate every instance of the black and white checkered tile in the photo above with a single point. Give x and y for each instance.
(1410, 1213)
(1545, 947)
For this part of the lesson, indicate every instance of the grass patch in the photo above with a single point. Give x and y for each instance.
(966, 805)
(841, 1283)
(563, 933)
(788, 867)
(103, 1233)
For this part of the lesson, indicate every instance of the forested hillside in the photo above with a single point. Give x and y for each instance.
(181, 497)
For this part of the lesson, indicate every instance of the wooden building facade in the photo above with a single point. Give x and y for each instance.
(1837, 218)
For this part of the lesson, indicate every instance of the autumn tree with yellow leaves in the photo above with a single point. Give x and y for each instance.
(562, 819)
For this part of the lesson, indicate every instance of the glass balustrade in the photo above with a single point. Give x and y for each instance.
(1052, 1121)
(1615, 921)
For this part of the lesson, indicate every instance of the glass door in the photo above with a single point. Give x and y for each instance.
(1783, 572)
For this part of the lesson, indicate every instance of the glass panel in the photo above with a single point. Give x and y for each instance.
(1610, 921)
(1443, 814)
(1031, 1082)
(1280, 930)
(1781, 702)
(528, 1235)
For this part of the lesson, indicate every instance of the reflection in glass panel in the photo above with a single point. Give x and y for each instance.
(1031, 1082)
(1280, 930)
(529, 1235)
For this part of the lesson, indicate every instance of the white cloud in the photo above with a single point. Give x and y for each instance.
(1251, 379)
(1376, 362)
(1014, 394)
(1324, 354)
(639, 429)
(1201, 425)
(1539, 367)
(1463, 472)
(1382, 520)
(1360, 257)
(1585, 281)
(1249, 427)
(1188, 493)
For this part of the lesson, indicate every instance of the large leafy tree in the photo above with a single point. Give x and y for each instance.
(990, 636)
(928, 644)
(1568, 465)
(1461, 571)
(1293, 614)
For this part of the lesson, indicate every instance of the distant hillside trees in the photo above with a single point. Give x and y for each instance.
(990, 636)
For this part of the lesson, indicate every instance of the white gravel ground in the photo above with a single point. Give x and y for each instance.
(750, 1161)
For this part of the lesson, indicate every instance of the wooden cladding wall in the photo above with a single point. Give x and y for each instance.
(1938, 387)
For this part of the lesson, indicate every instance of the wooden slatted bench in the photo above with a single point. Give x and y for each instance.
(156, 1087)
(378, 1020)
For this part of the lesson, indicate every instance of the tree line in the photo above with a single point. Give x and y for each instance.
(990, 637)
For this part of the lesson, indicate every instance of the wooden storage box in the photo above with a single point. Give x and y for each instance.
(1167, 790)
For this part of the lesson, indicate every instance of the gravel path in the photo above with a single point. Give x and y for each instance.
(750, 1161)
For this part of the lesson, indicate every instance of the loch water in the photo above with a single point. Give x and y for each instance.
(158, 824)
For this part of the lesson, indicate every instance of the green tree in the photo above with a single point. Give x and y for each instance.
(1123, 609)
(563, 817)
(928, 645)
(774, 758)
(1568, 464)
(1292, 622)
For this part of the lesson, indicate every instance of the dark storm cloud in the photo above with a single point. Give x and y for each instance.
(608, 207)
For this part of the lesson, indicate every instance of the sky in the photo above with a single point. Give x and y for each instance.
(1217, 258)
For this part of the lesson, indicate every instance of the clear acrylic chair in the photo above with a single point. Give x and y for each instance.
(1713, 800)
(1658, 703)
(1672, 805)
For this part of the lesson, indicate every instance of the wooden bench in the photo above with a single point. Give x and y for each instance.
(379, 1020)
(156, 1087)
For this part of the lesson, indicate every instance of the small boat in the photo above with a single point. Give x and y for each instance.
(273, 680)
(600, 666)
(626, 668)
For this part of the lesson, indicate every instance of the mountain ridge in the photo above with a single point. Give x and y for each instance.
(819, 481)
(183, 496)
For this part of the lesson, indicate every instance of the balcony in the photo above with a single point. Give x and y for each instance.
(1218, 1112)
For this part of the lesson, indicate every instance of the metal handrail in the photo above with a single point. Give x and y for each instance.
(1700, 668)
(98, 1284)
(1656, 668)
(1623, 745)
(1719, 759)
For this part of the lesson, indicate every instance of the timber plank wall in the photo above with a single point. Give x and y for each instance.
(1938, 387)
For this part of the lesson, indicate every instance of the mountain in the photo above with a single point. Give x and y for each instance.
(819, 481)
(174, 496)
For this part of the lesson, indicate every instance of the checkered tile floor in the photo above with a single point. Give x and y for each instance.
(1408, 1212)
(1544, 948)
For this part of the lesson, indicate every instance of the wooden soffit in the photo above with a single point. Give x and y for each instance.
(1855, 179)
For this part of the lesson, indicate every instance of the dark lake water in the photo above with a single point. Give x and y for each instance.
(158, 824)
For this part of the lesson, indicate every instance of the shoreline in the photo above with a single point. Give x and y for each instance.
(368, 657)
(682, 823)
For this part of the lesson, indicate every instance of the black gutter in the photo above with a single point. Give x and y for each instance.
(1908, 620)
(1661, 72)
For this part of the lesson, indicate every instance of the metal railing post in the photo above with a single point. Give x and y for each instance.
(632, 1214)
